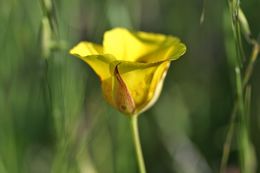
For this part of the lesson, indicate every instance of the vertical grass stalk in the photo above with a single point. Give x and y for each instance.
(241, 113)
(248, 73)
(240, 104)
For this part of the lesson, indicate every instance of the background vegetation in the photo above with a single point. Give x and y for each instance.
(52, 114)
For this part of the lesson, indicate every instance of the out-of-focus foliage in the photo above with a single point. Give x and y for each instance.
(52, 114)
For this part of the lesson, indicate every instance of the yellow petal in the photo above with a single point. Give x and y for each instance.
(170, 49)
(90, 53)
(156, 85)
(142, 82)
(130, 46)
(86, 48)
(121, 96)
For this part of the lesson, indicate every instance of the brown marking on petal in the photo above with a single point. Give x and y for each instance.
(122, 97)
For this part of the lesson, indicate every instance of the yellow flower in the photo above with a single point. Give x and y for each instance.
(131, 66)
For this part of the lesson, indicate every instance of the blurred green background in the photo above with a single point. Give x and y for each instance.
(53, 117)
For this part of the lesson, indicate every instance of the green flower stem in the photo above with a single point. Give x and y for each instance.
(137, 144)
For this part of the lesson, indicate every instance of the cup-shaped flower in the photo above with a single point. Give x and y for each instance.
(131, 66)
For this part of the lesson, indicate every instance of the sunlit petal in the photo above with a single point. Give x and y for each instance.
(90, 53)
(130, 46)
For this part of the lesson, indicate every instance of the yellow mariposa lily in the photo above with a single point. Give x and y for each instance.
(131, 66)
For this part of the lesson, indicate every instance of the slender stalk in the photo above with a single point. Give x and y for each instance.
(137, 144)
(248, 70)
(241, 113)
(230, 133)
(229, 137)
